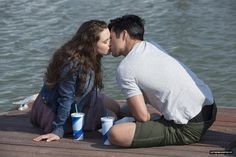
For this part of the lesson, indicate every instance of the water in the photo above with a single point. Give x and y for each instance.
(202, 34)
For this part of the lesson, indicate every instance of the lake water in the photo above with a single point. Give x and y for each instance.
(200, 33)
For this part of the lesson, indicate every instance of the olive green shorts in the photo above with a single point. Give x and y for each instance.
(163, 132)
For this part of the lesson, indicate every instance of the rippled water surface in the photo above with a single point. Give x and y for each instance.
(201, 33)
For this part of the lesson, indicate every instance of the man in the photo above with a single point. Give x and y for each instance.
(147, 75)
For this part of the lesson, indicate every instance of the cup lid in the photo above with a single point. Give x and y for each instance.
(77, 114)
(108, 118)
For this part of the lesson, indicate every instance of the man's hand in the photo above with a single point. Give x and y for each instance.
(48, 137)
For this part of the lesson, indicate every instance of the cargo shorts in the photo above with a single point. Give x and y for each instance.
(163, 132)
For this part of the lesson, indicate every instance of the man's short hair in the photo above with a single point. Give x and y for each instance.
(133, 24)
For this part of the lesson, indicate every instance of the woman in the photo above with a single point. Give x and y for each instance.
(72, 82)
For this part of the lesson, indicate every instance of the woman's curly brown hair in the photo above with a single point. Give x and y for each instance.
(80, 49)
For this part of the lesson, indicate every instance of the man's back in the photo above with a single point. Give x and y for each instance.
(169, 85)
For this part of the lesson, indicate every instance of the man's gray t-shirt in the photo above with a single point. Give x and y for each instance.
(169, 86)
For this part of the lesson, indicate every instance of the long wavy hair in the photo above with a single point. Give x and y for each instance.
(81, 52)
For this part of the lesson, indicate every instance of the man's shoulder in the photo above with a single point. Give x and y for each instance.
(154, 45)
(123, 67)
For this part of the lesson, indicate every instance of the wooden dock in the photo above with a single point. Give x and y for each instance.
(16, 134)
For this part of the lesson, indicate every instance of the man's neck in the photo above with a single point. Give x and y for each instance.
(130, 45)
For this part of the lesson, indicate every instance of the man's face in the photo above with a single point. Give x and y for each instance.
(116, 44)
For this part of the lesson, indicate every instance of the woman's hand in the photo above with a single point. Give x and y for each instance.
(48, 137)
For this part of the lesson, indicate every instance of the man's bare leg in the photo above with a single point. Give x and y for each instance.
(122, 134)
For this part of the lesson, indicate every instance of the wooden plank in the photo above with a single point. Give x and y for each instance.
(62, 152)
(81, 146)
(16, 134)
(90, 151)
(222, 140)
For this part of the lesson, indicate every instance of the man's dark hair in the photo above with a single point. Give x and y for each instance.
(133, 24)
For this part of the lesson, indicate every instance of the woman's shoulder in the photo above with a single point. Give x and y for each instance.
(69, 67)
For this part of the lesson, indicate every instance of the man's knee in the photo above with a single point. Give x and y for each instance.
(122, 135)
(114, 136)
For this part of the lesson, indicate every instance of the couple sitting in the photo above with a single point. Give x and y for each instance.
(147, 75)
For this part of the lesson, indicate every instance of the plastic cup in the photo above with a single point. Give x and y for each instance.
(107, 123)
(77, 125)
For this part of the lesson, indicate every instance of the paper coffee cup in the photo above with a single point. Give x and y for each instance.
(77, 125)
(107, 123)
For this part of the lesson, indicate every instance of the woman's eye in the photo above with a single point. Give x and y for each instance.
(106, 41)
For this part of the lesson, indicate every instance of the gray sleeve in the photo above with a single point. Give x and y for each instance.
(125, 77)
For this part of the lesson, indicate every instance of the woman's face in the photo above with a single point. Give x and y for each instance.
(103, 43)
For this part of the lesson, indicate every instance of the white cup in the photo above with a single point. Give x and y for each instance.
(107, 123)
(77, 125)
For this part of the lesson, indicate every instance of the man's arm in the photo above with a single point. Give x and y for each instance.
(138, 108)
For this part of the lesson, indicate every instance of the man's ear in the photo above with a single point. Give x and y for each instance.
(124, 34)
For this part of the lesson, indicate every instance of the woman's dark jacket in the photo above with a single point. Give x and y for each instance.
(62, 98)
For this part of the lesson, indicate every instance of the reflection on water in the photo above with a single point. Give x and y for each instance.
(201, 34)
